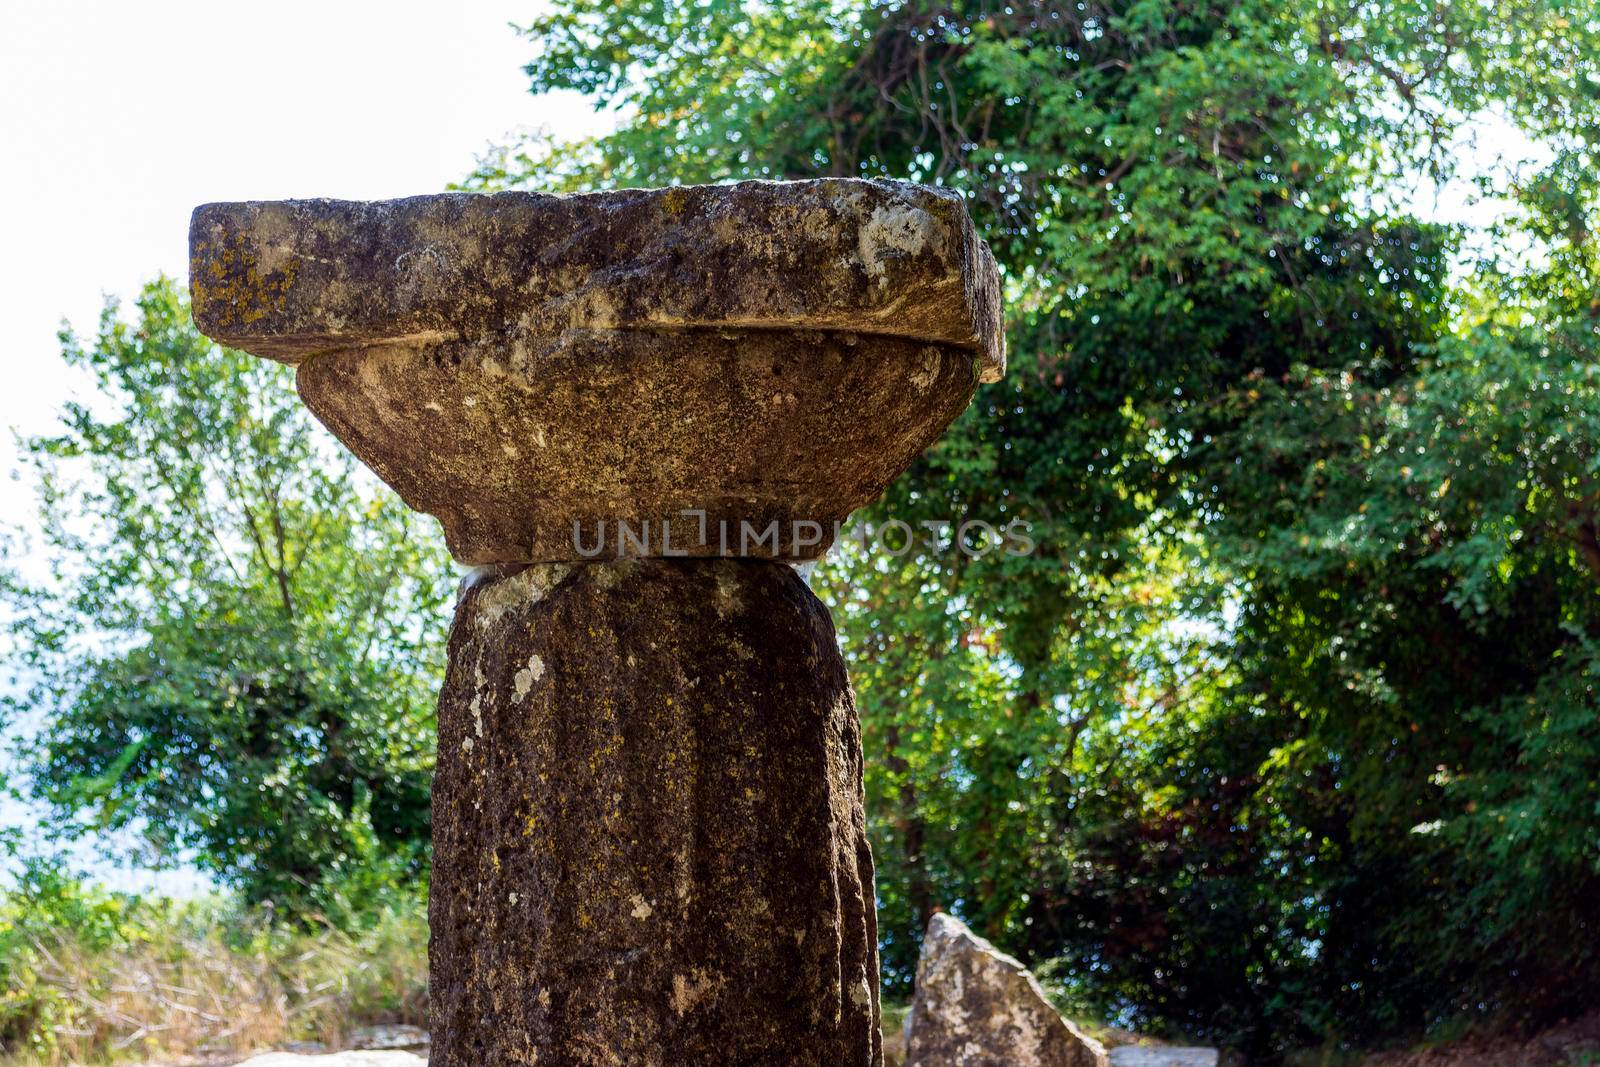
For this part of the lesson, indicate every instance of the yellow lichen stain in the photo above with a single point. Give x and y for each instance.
(234, 285)
(674, 201)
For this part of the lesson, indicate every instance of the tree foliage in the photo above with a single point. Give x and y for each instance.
(1287, 732)
(235, 647)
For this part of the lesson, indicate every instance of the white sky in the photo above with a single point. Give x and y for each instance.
(118, 118)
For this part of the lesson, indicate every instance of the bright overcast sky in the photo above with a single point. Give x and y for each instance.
(118, 118)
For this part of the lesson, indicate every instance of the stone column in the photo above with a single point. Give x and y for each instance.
(631, 412)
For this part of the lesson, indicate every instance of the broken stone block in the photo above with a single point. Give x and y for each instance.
(977, 1007)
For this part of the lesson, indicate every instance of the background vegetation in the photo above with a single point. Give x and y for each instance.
(1285, 737)
(88, 976)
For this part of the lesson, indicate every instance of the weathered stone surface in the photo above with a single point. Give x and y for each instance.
(649, 839)
(977, 1007)
(290, 279)
(522, 452)
(524, 366)
(1162, 1056)
(337, 1059)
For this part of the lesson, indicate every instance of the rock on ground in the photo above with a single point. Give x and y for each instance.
(1162, 1056)
(387, 1036)
(977, 1007)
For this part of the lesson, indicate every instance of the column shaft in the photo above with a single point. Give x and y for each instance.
(649, 840)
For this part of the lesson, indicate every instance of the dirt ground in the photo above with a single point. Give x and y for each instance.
(1575, 1043)
(1570, 1044)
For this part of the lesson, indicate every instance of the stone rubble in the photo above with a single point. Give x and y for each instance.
(977, 1007)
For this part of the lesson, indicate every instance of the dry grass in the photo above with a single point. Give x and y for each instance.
(192, 994)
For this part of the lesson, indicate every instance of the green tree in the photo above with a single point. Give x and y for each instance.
(1426, 615)
(1220, 746)
(234, 651)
